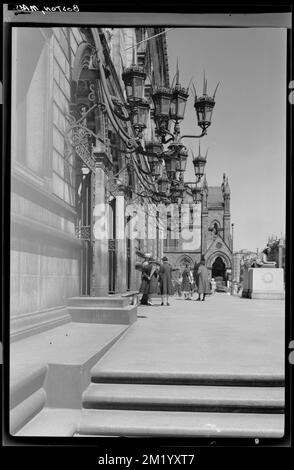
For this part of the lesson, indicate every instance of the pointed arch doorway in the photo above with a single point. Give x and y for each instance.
(218, 269)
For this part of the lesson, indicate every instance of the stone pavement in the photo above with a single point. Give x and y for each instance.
(194, 369)
(223, 336)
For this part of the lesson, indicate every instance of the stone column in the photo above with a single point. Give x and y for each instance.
(101, 226)
(121, 243)
(204, 229)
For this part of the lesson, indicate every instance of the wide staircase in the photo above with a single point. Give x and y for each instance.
(181, 405)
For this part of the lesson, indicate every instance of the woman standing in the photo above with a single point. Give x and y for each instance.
(153, 284)
(144, 289)
(196, 275)
(186, 286)
(203, 283)
(166, 287)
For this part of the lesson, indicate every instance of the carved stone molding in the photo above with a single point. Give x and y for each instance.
(102, 160)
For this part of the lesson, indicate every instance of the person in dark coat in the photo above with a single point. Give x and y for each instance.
(203, 283)
(144, 289)
(166, 287)
(154, 278)
(196, 275)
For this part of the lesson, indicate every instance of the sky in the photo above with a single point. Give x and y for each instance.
(247, 137)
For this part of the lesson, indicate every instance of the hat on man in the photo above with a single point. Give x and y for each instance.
(164, 258)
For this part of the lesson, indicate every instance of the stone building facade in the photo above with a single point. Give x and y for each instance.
(68, 157)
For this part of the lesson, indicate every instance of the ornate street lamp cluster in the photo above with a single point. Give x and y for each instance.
(159, 164)
(167, 167)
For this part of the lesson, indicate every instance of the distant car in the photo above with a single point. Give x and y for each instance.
(220, 288)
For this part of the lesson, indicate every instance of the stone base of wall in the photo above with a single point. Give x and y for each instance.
(111, 310)
(22, 326)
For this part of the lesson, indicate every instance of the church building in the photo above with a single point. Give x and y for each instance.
(214, 241)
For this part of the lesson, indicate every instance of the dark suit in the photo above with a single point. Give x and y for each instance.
(165, 273)
(144, 289)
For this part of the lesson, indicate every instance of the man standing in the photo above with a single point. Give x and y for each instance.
(166, 287)
(144, 289)
(153, 279)
(203, 287)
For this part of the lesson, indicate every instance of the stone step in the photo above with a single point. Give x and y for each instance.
(98, 302)
(25, 381)
(184, 398)
(52, 422)
(99, 375)
(179, 424)
(107, 315)
(65, 355)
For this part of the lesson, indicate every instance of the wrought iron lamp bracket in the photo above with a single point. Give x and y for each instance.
(204, 132)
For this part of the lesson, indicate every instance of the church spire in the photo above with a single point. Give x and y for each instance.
(223, 182)
(227, 190)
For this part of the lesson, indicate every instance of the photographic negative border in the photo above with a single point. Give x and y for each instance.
(225, 16)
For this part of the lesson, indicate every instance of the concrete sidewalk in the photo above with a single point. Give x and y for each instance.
(224, 336)
(196, 369)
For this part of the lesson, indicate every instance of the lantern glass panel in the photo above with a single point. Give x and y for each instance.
(199, 166)
(208, 114)
(157, 105)
(165, 105)
(178, 106)
(183, 161)
(171, 164)
(173, 109)
(136, 119)
(163, 186)
(129, 89)
(153, 159)
(200, 114)
(138, 87)
(156, 169)
(181, 107)
(143, 112)
(168, 165)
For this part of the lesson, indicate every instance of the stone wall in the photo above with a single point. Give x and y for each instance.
(42, 275)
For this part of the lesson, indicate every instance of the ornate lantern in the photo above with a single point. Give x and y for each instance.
(171, 163)
(154, 148)
(182, 158)
(178, 103)
(204, 106)
(177, 192)
(197, 194)
(140, 115)
(154, 151)
(134, 79)
(164, 186)
(162, 99)
(179, 154)
(199, 163)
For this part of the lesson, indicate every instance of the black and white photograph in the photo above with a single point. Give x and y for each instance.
(147, 170)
